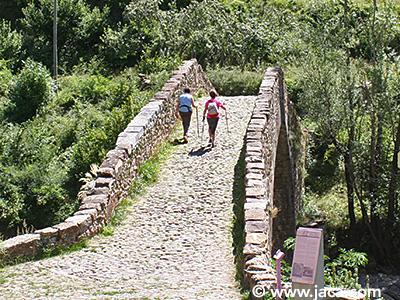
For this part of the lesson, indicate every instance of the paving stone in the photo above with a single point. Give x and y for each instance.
(175, 243)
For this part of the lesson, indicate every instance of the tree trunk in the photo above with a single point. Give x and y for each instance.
(392, 192)
(349, 172)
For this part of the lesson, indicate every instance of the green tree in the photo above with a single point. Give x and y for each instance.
(79, 31)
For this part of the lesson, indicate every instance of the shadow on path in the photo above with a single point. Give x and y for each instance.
(199, 152)
(238, 195)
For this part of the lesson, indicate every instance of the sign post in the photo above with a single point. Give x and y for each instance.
(308, 265)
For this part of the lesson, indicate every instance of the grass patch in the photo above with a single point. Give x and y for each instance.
(330, 207)
(48, 251)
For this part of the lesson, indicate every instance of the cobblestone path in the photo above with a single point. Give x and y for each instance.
(176, 243)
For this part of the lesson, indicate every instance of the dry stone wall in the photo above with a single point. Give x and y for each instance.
(138, 142)
(273, 179)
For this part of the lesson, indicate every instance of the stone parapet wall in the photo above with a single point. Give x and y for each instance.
(138, 142)
(268, 148)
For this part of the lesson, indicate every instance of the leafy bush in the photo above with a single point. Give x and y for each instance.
(10, 42)
(33, 88)
(233, 82)
(343, 270)
(6, 78)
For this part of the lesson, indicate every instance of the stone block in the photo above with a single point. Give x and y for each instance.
(132, 128)
(154, 103)
(256, 136)
(255, 166)
(254, 158)
(99, 199)
(260, 115)
(257, 123)
(161, 96)
(255, 192)
(254, 144)
(255, 215)
(253, 176)
(110, 209)
(171, 85)
(253, 250)
(140, 121)
(255, 128)
(106, 172)
(48, 235)
(253, 148)
(265, 277)
(67, 231)
(104, 182)
(92, 205)
(93, 212)
(147, 114)
(128, 148)
(254, 152)
(262, 205)
(169, 93)
(114, 164)
(127, 142)
(83, 221)
(98, 191)
(22, 245)
(117, 153)
(256, 238)
(255, 226)
(131, 134)
(254, 183)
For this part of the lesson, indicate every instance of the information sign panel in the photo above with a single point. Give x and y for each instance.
(306, 253)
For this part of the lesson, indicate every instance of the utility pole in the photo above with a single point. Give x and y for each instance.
(55, 55)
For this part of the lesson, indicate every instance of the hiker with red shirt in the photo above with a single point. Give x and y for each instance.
(212, 111)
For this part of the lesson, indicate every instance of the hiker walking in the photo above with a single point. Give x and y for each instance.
(184, 111)
(212, 111)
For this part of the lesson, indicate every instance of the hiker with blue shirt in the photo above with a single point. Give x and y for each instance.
(184, 111)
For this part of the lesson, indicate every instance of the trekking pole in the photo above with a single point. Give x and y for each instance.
(226, 118)
(197, 117)
(202, 131)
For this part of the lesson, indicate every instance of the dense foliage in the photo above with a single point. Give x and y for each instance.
(341, 61)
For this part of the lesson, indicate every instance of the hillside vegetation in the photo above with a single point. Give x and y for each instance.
(341, 63)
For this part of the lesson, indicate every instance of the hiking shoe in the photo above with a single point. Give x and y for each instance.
(210, 141)
(185, 139)
(213, 145)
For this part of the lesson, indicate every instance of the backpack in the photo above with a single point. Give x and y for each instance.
(212, 108)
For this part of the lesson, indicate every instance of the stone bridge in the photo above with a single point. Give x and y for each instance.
(210, 209)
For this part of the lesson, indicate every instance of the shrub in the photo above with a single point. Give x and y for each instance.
(10, 42)
(343, 270)
(33, 88)
(5, 83)
(233, 82)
